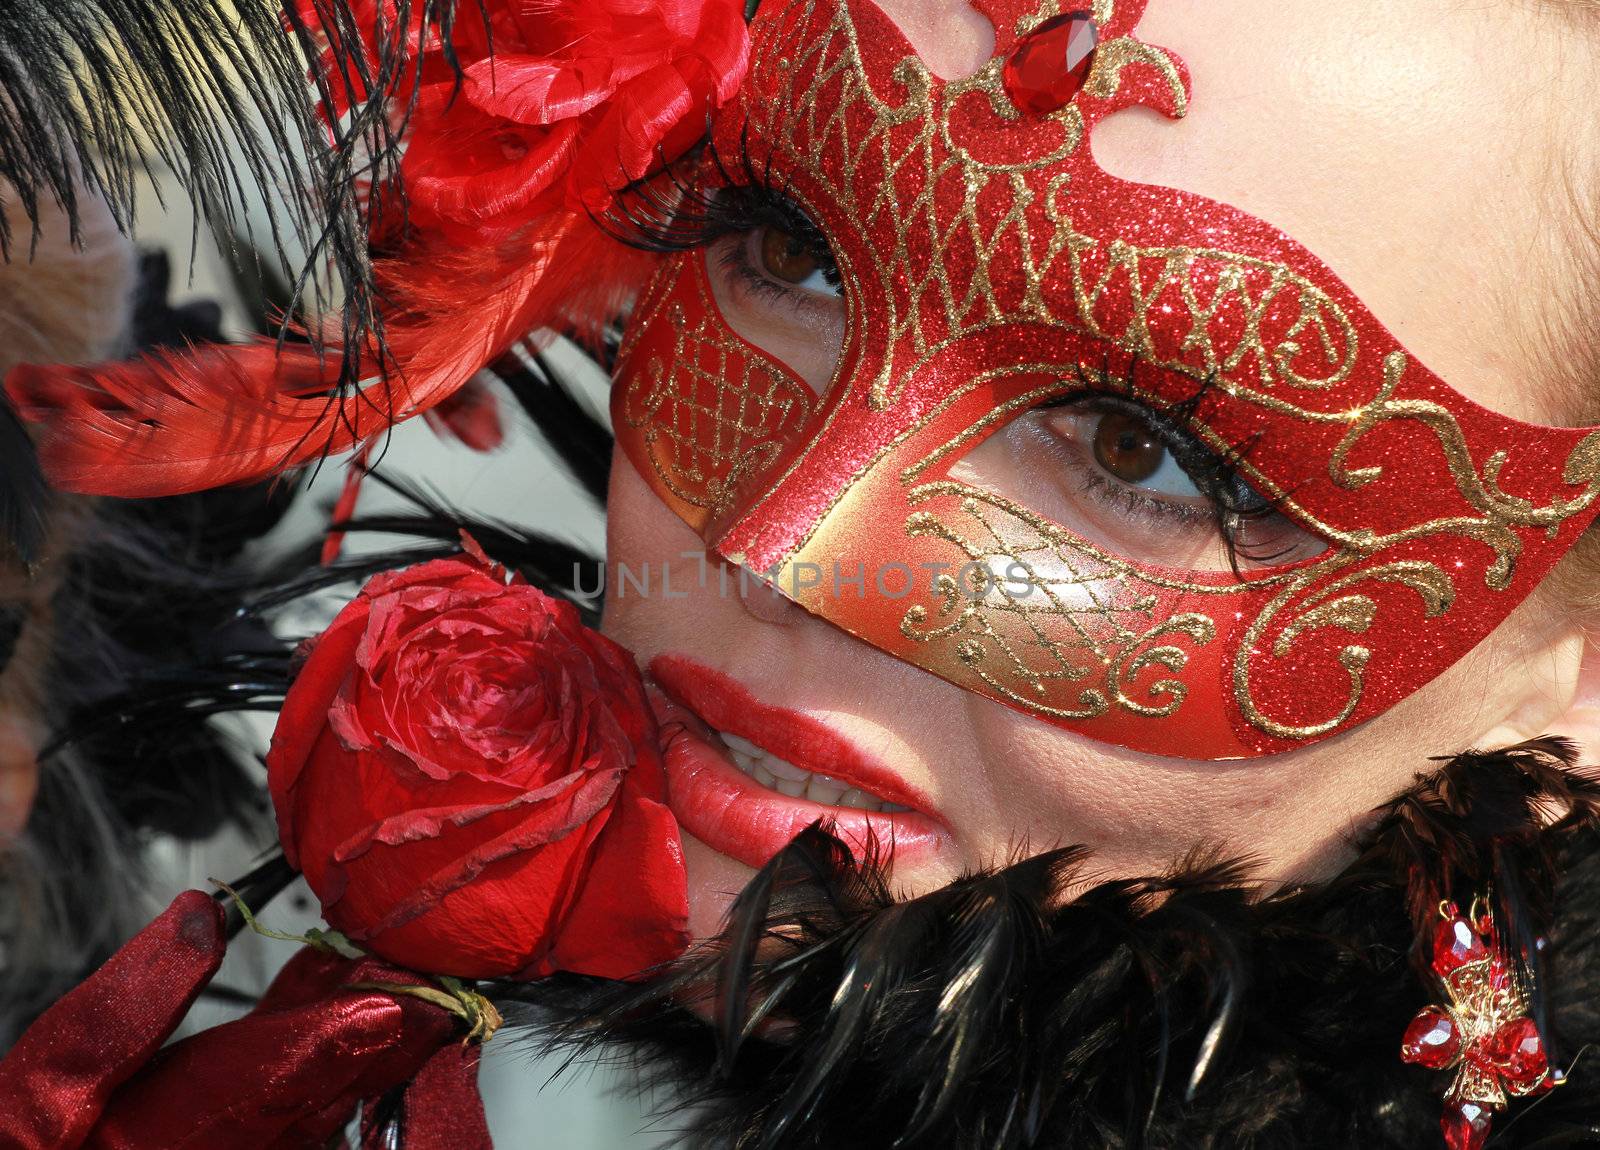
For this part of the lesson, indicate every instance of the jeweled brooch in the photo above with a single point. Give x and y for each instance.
(1483, 1030)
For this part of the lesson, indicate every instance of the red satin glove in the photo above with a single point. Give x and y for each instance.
(91, 1072)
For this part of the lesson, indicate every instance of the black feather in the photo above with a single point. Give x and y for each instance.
(581, 442)
(1470, 832)
(554, 566)
(215, 89)
(746, 928)
(227, 95)
(363, 202)
(1013, 1008)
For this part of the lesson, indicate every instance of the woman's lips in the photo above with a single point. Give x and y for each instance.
(731, 812)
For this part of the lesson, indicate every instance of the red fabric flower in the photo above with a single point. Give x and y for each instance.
(558, 104)
(470, 781)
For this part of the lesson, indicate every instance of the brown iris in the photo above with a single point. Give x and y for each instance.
(1126, 447)
(786, 256)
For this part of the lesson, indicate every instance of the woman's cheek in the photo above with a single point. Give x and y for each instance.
(714, 879)
(1291, 811)
(1073, 792)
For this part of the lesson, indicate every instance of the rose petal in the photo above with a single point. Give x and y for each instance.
(458, 872)
(591, 792)
(632, 909)
(487, 795)
(499, 922)
(300, 720)
(399, 882)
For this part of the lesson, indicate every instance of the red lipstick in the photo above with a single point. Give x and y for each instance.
(731, 812)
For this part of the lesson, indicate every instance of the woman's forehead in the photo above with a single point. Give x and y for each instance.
(1444, 196)
(952, 38)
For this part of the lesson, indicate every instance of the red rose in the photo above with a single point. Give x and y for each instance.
(469, 780)
(574, 102)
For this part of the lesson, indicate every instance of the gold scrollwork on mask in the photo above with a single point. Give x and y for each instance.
(1136, 658)
(1499, 511)
(824, 88)
(1205, 283)
(708, 429)
(1054, 612)
(1329, 606)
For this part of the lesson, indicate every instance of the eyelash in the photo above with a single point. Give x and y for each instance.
(1233, 503)
(682, 214)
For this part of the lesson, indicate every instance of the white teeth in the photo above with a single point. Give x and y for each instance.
(777, 775)
(822, 789)
(743, 746)
(784, 770)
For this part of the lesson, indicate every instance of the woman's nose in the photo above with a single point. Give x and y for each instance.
(760, 599)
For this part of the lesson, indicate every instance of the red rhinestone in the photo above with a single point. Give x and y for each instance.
(1050, 64)
(1455, 944)
(1465, 1125)
(1432, 1040)
(1518, 1054)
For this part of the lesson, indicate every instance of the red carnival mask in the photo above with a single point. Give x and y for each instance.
(989, 266)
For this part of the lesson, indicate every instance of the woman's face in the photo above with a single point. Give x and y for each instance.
(1428, 152)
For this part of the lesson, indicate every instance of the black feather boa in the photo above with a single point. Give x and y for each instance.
(1015, 1008)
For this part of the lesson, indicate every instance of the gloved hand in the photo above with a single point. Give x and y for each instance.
(91, 1073)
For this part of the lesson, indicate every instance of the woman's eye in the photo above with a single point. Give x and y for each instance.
(1129, 449)
(1123, 477)
(775, 281)
(789, 259)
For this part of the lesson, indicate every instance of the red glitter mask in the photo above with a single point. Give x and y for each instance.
(989, 266)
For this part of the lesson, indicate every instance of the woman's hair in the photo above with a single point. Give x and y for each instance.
(65, 297)
(142, 591)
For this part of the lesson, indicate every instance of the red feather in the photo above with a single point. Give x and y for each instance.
(471, 416)
(585, 99)
(178, 422)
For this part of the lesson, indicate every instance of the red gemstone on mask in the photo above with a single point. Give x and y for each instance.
(1465, 1125)
(1432, 1040)
(1051, 64)
(1455, 944)
(1518, 1054)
